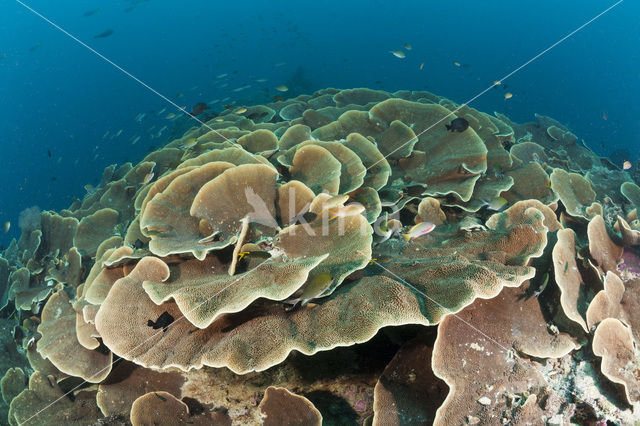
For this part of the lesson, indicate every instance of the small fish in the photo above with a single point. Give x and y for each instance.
(279, 64)
(219, 119)
(135, 140)
(160, 397)
(170, 116)
(418, 230)
(421, 65)
(335, 201)
(457, 64)
(262, 80)
(162, 111)
(307, 217)
(407, 46)
(180, 95)
(626, 165)
(7, 226)
(91, 12)
(89, 188)
(313, 289)
(105, 135)
(604, 115)
(566, 266)
(189, 143)
(227, 106)
(199, 108)
(398, 54)
(140, 117)
(240, 111)
(457, 125)
(391, 225)
(496, 204)
(508, 95)
(148, 177)
(282, 88)
(497, 82)
(104, 34)
(163, 321)
(222, 75)
(346, 211)
(119, 133)
(49, 153)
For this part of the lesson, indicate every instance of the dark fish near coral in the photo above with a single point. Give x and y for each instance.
(104, 34)
(227, 106)
(138, 244)
(307, 217)
(163, 321)
(457, 125)
(199, 108)
(91, 12)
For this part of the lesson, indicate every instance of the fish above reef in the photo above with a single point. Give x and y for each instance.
(407, 46)
(418, 230)
(496, 204)
(282, 88)
(199, 108)
(314, 288)
(104, 34)
(307, 217)
(240, 111)
(346, 211)
(508, 95)
(421, 65)
(7, 226)
(91, 12)
(335, 201)
(148, 178)
(457, 125)
(398, 54)
(626, 165)
(163, 321)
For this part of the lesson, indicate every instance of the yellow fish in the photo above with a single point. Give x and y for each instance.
(189, 143)
(7, 226)
(497, 82)
(626, 165)
(457, 64)
(147, 178)
(496, 204)
(170, 116)
(398, 54)
(240, 110)
(508, 95)
(421, 65)
(282, 88)
(315, 287)
(407, 46)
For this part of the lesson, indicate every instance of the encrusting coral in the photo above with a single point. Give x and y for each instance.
(488, 257)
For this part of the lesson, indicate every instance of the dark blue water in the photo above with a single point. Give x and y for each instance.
(58, 99)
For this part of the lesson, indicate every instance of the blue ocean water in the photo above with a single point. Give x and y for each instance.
(62, 105)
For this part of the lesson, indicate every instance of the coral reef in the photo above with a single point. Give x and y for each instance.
(344, 257)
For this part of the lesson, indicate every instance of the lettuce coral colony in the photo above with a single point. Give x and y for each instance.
(228, 287)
